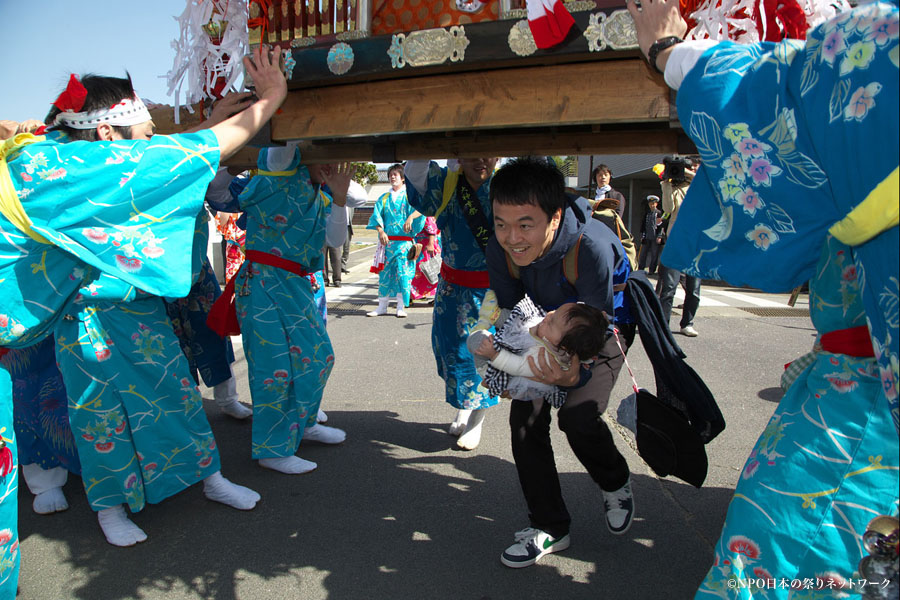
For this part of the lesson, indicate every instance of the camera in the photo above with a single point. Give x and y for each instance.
(674, 167)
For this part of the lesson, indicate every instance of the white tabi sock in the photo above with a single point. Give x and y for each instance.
(471, 437)
(381, 310)
(324, 434)
(400, 306)
(219, 489)
(46, 485)
(118, 528)
(459, 423)
(321, 417)
(291, 465)
(226, 397)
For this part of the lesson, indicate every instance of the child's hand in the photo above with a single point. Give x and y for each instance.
(486, 348)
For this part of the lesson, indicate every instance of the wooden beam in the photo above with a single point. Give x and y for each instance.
(472, 144)
(164, 118)
(609, 91)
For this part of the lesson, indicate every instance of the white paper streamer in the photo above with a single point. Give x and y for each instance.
(198, 62)
(714, 17)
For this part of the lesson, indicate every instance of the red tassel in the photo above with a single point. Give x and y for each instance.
(6, 461)
(73, 97)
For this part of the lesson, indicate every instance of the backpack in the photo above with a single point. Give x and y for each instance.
(606, 214)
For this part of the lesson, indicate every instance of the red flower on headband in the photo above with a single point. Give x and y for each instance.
(72, 98)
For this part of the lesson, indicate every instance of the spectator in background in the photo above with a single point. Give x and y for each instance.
(677, 177)
(602, 176)
(651, 235)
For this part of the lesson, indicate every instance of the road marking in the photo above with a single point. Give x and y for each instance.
(752, 300)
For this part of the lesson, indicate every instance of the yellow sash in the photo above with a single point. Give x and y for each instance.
(878, 212)
(449, 189)
(10, 205)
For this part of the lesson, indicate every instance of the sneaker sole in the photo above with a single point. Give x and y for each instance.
(557, 547)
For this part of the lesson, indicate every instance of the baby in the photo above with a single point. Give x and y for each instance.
(502, 359)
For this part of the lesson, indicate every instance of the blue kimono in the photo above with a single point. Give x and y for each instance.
(208, 355)
(70, 212)
(455, 306)
(799, 143)
(390, 213)
(40, 407)
(289, 354)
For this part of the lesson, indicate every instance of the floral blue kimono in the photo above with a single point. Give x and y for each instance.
(390, 213)
(208, 355)
(70, 212)
(289, 354)
(799, 143)
(40, 408)
(455, 306)
(136, 413)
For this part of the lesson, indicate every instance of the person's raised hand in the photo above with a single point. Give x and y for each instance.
(551, 372)
(656, 19)
(338, 178)
(230, 104)
(264, 68)
(407, 226)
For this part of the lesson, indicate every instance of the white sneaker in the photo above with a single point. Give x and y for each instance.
(689, 331)
(619, 507)
(531, 544)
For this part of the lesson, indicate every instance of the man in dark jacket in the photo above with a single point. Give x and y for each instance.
(651, 235)
(541, 237)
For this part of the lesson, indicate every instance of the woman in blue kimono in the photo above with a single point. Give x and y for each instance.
(448, 196)
(209, 356)
(55, 197)
(43, 435)
(289, 354)
(396, 223)
(799, 143)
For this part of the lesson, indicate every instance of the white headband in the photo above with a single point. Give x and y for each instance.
(130, 111)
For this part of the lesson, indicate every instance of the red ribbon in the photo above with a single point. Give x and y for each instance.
(222, 318)
(262, 21)
(73, 97)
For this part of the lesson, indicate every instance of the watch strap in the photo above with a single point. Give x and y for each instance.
(660, 45)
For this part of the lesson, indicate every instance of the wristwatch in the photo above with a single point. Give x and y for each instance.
(660, 45)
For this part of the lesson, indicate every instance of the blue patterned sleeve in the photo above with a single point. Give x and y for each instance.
(377, 219)
(792, 137)
(127, 208)
(430, 200)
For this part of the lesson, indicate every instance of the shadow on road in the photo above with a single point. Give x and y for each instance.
(389, 514)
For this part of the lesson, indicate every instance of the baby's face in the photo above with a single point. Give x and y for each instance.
(555, 325)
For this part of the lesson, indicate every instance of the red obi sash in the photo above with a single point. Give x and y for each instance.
(400, 238)
(470, 279)
(855, 341)
(222, 317)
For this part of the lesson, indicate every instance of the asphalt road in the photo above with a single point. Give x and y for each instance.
(397, 512)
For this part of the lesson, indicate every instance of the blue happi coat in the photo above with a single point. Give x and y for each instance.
(799, 143)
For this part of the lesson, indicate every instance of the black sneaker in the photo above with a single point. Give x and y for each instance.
(531, 544)
(619, 507)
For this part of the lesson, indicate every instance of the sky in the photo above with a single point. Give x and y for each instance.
(48, 39)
